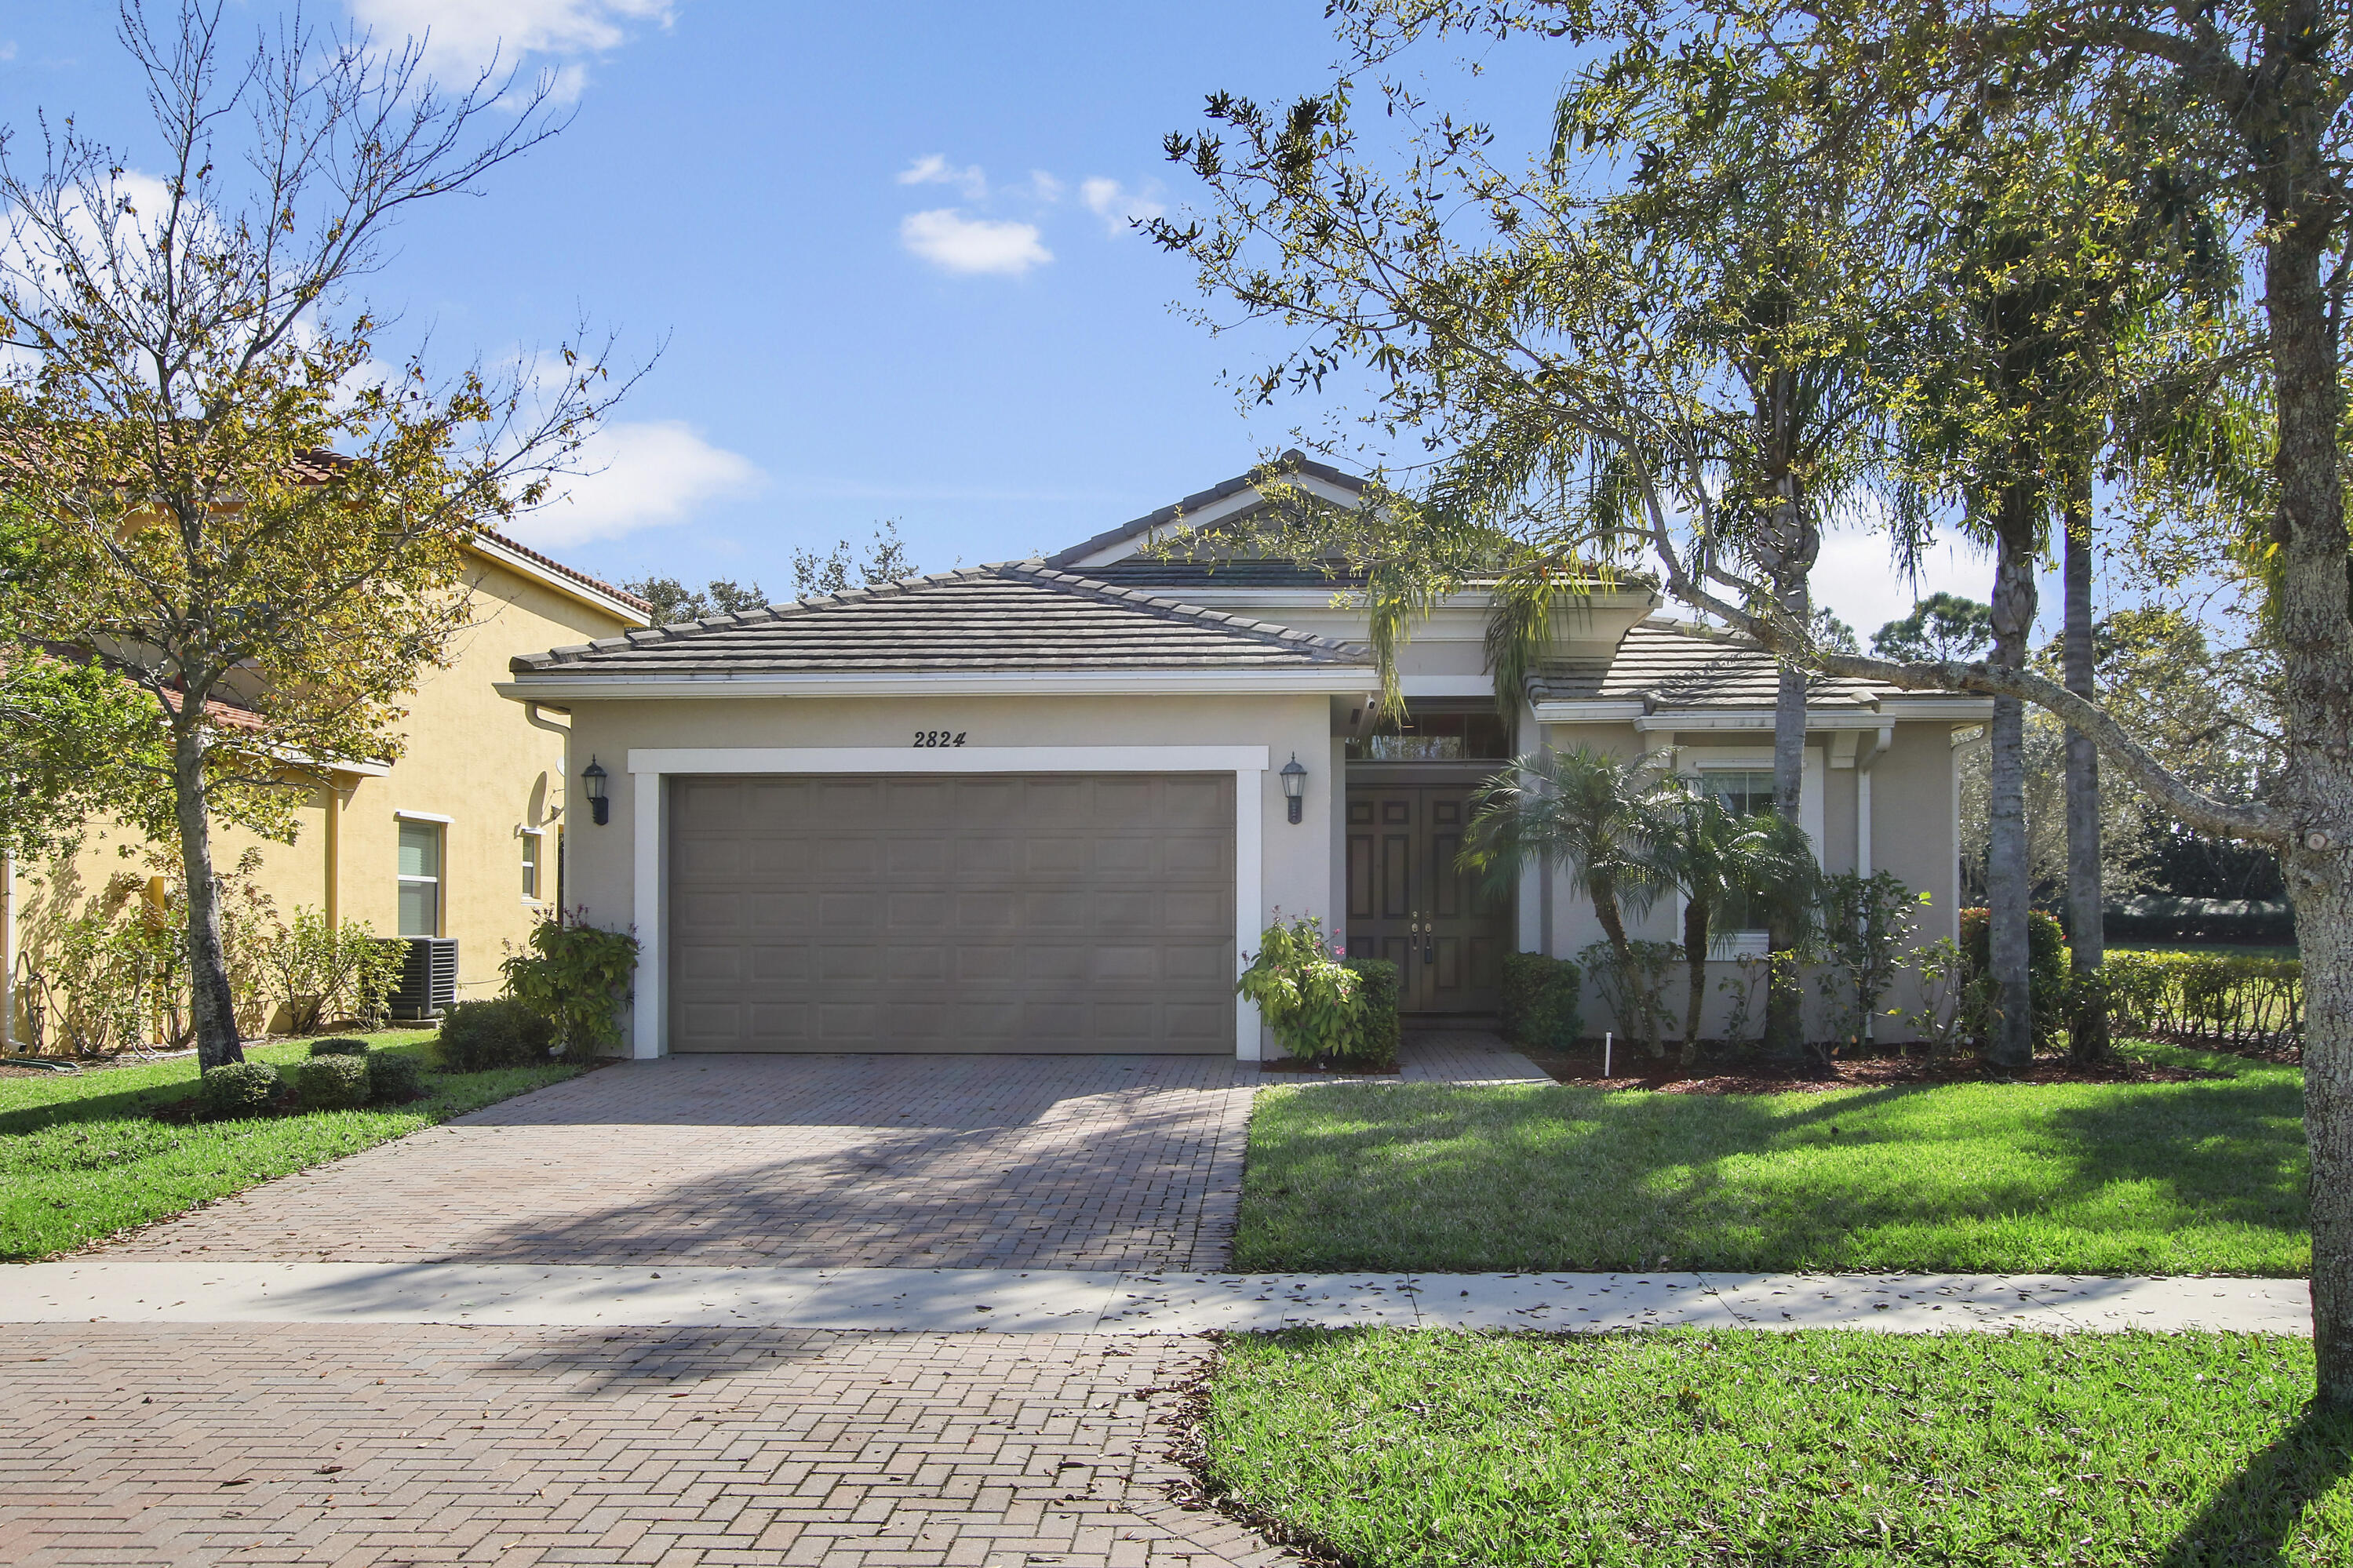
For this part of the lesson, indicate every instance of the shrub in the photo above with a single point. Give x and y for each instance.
(339, 1047)
(333, 1083)
(575, 976)
(2046, 962)
(395, 1078)
(2207, 996)
(239, 1088)
(1314, 1002)
(479, 1036)
(1378, 981)
(319, 971)
(1540, 1002)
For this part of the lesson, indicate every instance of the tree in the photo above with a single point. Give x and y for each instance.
(253, 525)
(884, 561)
(674, 601)
(1585, 813)
(1942, 626)
(1695, 330)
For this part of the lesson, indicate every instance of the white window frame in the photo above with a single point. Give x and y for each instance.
(440, 877)
(538, 838)
(647, 1033)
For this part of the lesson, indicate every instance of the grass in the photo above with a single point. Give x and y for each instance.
(2164, 1178)
(1392, 1447)
(80, 1158)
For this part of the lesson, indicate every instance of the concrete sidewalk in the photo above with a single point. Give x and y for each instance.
(122, 1290)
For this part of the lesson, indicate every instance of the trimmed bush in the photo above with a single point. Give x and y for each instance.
(395, 1078)
(239, 1088)
(481, 1035)
(1376, 1031)
(341, 1046)
(2046, 964)
(333, 1083)
(2223, 997)
(1540, 1006)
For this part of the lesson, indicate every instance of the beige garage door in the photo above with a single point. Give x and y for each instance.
(990, 912)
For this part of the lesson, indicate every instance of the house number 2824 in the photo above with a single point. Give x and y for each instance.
(939, 737)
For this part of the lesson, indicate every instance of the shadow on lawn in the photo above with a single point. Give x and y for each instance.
(1561, 1177)
(2249, 1523)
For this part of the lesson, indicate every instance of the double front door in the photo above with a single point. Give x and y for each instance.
(1407, 903)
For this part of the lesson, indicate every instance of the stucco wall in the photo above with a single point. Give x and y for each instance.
(1297, 872)
(471, 756)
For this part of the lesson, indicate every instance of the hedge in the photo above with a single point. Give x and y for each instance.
(1377, 1034)
(1540, 1007)
(2207, 996)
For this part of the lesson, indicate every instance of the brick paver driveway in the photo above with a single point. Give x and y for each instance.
(904, 1161)
(371, 1444)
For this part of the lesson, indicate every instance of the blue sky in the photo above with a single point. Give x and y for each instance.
(884, 249)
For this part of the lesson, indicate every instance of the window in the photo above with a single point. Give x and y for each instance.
(421, 878)
(531, 844)
(1743, 791)
(1436, 735)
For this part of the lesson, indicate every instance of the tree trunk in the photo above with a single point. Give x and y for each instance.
(1695, 921)
(2011, 1040)
(214, 1008)
(2315, 630)
(1785, 999)
(2088, 1019)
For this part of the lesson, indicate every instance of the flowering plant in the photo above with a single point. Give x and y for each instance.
(1312, 1002)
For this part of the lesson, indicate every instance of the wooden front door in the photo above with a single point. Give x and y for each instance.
(1408, 904)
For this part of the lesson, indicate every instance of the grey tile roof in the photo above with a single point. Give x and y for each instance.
(1145, 572)
(1666, 665)
(1293, 461)
(1018, 616)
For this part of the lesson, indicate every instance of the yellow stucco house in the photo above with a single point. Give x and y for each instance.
(462, 837)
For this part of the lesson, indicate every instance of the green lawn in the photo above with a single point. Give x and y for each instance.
(79, 1158)
(2182, 1178)
(1848, 1447)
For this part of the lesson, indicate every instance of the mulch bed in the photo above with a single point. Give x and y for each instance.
(1632, 1071)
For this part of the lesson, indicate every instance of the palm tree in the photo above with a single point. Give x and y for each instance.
(1717, 858)
(1587, 814)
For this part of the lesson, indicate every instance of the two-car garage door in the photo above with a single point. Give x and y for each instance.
(984, 912)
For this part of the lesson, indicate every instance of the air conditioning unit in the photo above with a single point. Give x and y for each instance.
(429, 977)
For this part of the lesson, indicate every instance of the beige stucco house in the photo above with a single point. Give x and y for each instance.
(1042, 806)
(462, 837)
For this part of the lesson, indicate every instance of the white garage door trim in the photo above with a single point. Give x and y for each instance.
(1247, 764)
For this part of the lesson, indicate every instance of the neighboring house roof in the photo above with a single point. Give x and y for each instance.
(1662, 664)
(1145, 572)
(533, 564)
(1021, 616)
(1290, 462)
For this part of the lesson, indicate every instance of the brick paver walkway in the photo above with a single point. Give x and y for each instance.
(359, 1445)
(918, 1161)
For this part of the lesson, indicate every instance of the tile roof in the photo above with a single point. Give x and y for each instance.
(1018, 616)
(1291, 462)
(1145, 572)
(1666, 664)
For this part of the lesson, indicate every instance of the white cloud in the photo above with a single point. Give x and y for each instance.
(465, 36)
(1856, 579)
(947, 239)
(645, 474)
(7, 51)
(1116, 205)
(1044, 187)
(935, 170)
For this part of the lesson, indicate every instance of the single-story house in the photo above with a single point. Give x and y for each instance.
(1047, 805)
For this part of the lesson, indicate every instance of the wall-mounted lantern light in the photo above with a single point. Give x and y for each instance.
(593, 777)
(1294, 784)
